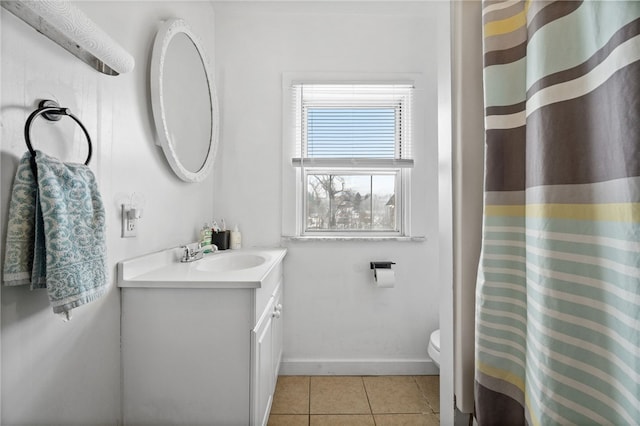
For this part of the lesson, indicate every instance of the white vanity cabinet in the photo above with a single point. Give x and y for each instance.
(199, 355)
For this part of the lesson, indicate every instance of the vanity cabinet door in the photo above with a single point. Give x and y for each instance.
(278, 332)
(262, 366)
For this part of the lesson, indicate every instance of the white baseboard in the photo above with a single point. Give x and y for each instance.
(358, 367)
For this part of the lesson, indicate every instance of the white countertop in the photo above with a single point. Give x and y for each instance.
(163, 269)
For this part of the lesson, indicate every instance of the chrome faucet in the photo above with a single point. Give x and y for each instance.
(191, 255)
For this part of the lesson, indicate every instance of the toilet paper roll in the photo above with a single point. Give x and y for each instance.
(385, 278)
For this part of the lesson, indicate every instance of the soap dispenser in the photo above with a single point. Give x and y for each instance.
(236, 239)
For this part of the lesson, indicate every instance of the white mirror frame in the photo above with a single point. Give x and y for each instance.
(164, 36)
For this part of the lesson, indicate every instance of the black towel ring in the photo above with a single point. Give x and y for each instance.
(52, 111)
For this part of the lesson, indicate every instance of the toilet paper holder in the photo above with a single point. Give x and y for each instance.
(381, 265)
(383, 275)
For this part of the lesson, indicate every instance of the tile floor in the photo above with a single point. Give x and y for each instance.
(356, 400)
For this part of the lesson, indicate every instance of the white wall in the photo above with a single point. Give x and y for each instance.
(69, 373)
(337, 321)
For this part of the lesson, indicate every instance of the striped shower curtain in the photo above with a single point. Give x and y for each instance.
(558, 295)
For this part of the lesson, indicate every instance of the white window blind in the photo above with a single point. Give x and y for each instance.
(353, 125)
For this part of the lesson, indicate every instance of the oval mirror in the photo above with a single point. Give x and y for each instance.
(184, 102)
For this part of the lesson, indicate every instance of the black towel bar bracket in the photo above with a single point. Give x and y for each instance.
(52, 111)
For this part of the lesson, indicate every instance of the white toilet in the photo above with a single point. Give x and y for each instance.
(434, 347)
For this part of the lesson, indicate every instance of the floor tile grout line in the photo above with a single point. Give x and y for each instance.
(368, 400)
(364, 386)
(424, 394)
(309, 404)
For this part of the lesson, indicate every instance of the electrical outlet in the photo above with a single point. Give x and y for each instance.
(129, 226)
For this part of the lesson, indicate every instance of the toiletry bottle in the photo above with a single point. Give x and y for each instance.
(205, 235)
(236, 239)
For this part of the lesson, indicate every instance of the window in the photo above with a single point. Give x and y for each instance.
(353, 155)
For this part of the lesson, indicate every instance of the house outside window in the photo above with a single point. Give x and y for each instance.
(353, 158)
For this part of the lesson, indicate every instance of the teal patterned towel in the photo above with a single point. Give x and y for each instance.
(56, 233)
(19, 253)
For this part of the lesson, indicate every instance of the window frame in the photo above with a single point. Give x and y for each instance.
(294, 178)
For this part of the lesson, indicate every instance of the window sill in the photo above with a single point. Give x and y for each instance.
(331, 238)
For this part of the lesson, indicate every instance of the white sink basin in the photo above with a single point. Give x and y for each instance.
(229, 262)
(244, 268)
